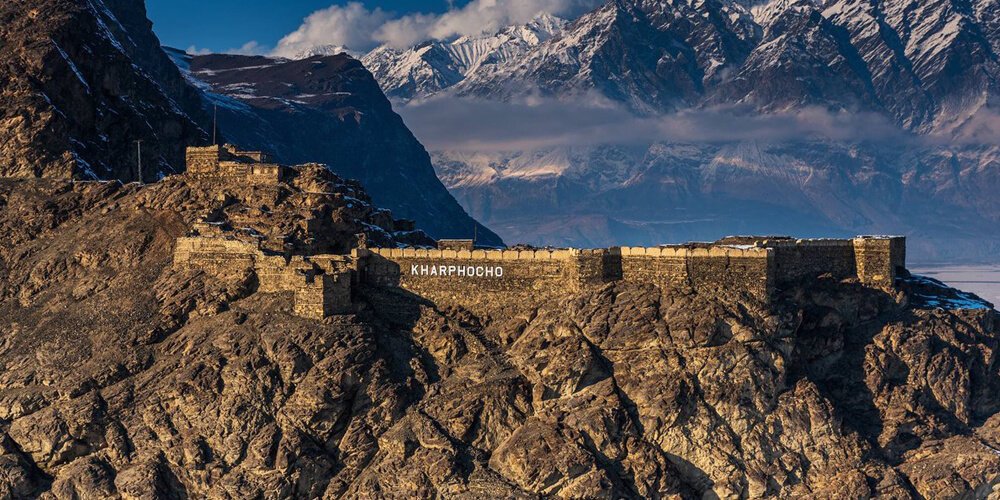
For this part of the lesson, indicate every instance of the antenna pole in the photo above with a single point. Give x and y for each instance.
(215, 126)
(138, 159)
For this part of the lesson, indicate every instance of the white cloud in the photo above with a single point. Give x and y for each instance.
(355, 26)
(458, 124)
(195, 51)
(251, 48)
(351, 25)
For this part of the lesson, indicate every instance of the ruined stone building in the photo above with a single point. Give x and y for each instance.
(226, 162)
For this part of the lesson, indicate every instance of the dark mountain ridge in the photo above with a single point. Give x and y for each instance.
(88, 93)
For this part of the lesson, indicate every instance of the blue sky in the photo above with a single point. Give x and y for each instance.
(221, 25)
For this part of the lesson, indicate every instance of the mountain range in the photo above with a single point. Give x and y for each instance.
(839, 116)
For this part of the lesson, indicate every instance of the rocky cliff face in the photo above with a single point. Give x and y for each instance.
(125, 377)
(82, 82)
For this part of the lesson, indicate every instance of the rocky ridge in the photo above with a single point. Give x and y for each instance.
(82, 82)
(330, 109)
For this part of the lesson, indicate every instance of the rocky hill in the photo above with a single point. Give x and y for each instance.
(127, 377)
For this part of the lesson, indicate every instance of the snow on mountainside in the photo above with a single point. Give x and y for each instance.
(435, 65)
(929, 66)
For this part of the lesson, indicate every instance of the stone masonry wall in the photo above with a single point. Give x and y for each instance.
(215, 255)
(321, 288)
(798, 260)
(322, 296)
(879, 260)
(484, 277)
(468, 277)
(715, 268)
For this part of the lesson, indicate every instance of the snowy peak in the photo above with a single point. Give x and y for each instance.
(927, 65)
(433, 66)
(323, 51)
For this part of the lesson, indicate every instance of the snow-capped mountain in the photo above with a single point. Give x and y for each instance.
(437, 65)
(929, 66)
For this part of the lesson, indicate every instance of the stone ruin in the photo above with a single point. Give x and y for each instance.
(459, 273)
(228, 162)
(321, 284)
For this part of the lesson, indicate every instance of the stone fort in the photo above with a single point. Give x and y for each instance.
(459, 273)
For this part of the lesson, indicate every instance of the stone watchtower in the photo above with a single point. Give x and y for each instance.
(228, 162)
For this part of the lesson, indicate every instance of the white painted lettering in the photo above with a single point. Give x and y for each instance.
(456, 270)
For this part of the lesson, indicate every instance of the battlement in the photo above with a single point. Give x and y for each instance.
(753, 266)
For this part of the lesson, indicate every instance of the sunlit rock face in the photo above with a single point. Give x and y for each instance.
(126, 375)
(82, 82)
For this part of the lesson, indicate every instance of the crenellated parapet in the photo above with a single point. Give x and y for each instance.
(755, 266)
(489, 278)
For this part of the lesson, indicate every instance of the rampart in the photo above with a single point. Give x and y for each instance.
(464, 275)
(755, 266)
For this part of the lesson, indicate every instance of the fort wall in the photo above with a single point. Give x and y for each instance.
(321, 288)
(485, 278)
(802, 260)
(704, 268)
(880, 260)
(758, 268)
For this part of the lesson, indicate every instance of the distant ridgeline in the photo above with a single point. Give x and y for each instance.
(458, 273)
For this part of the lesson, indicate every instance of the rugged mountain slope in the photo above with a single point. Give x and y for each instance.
(125, 377)
(435, 65)
(928, 66)
(600, 196)
(82, 81)
(330, 109)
